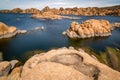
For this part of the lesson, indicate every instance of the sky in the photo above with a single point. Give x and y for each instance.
(10, 4)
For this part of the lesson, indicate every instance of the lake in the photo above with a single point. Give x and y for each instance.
(51, 37)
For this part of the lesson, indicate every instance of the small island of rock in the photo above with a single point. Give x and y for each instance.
(89, 28)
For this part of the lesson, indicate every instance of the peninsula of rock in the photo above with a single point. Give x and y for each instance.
(47, 15)
(9, 31)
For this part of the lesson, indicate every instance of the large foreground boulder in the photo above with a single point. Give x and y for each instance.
(66, 64)
(89, 28)
(54, 71)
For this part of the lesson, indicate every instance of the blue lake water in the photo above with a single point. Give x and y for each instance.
(52, 37)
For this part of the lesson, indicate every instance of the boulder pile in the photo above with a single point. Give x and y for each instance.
(89, 28)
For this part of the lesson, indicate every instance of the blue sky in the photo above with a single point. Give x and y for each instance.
(10, 4)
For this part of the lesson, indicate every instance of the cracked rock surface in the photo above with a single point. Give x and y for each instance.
(66, 64)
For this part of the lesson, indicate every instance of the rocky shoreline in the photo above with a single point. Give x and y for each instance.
(47, 15)
(58, 64)
(90, 28)
(90, 11)
(9, 31)
(8, 35)
(64, 63)
(53, 13)
(52, 16)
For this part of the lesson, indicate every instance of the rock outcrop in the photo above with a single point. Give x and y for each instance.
(59, 64)
(66, 64)
(52, 16)
(5, 70)
(90, 11)
(31, 10)
(21, 31)
(116, 24)
(89, 28)
(5, 67)
(15, 74)
(47, 15)
(9, 31)
(5, 11)
(16, 10)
